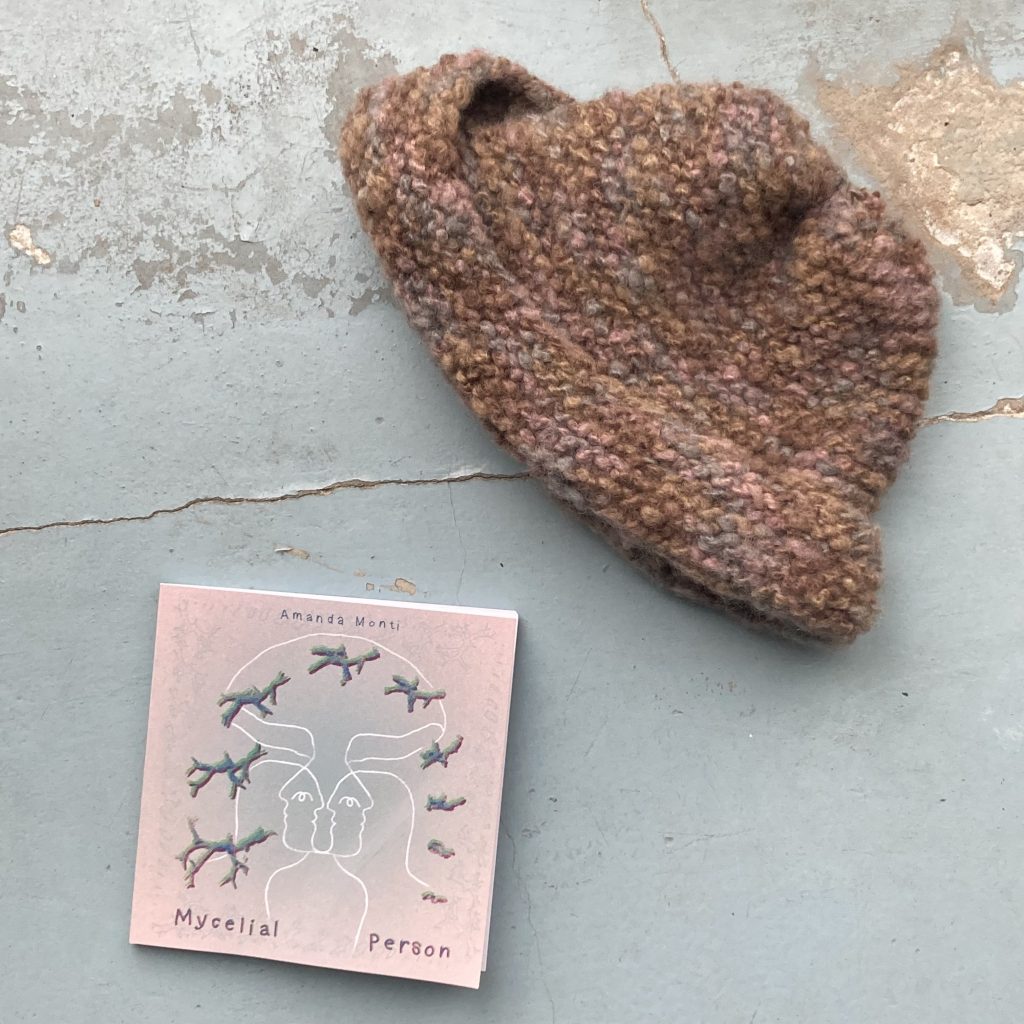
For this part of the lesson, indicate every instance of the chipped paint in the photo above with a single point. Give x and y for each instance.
(216, 185)
(946, 140)
(1002, 408)
(20, 238)
(294, 552)
(207, 251)
(400, 586)
(368, 297)
(360, 64)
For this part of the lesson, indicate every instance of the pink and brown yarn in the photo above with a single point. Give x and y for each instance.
(673, 307)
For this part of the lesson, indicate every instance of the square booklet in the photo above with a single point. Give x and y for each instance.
(323, 781)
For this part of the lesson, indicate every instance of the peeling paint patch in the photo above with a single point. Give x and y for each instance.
(1002, 408)
(218, 185)
(368, 297)
(359, 62)
(946, 141)
(20, 237)
(310, 284)
(205, 253)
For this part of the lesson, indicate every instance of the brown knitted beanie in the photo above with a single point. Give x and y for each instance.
(673, 307)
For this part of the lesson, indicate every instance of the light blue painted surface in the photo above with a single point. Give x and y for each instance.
(700, 823)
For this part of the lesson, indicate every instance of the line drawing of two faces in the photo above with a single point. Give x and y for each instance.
(315, 824)
(319, 819)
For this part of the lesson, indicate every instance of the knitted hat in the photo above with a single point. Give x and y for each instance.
(673, 307)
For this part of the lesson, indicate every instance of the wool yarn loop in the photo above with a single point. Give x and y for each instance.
(673, 307)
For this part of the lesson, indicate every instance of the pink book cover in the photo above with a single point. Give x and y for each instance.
(322, 781)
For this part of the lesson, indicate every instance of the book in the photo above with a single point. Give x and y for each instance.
(322, 780)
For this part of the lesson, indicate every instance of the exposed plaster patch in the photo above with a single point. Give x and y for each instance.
(20, 237)
(294, 552)
(946, 141)
(1003, 408)
(305, 492)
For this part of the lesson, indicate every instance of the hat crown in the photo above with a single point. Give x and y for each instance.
(715, 175)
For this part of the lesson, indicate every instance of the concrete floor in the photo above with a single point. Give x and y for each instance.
(199, 356)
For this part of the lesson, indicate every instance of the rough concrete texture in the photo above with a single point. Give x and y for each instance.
(700, 823)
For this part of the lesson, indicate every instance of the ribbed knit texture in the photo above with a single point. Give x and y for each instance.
(673, 307)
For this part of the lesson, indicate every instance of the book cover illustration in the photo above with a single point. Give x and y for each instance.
(322, 781)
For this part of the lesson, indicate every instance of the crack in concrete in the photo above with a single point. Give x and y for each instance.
(662, 44)
(1002, 408)
(524, 889)
(269, 499)
(702, 837)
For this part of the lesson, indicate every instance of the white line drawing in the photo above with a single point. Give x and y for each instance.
(265, 745)
(319, 820)
(378, 735)
(412, 826)
(287, 867)
(366, 903)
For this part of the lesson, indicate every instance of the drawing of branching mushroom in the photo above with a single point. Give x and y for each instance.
(252, 697)
(412, 692)
(435, 755)
(436, 846)
(237, 772)
(206, 848)
(442, 803)
(433, 897)
(338, 656)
